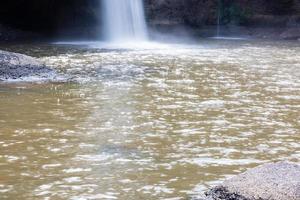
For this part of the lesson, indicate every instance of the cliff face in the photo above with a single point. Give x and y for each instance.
(278, 19)
(182, 17)
(82, 17)
(48, 18)
(48, 14)
(188, 12)
(239, 12)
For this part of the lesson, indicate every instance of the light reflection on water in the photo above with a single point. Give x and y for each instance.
(149, 124)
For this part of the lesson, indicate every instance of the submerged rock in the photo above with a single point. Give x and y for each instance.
(275, 181)
(14, 66)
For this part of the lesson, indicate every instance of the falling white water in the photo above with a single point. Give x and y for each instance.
(124, 20)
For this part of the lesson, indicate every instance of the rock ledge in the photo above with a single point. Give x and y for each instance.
(19, 67)
(274, 181)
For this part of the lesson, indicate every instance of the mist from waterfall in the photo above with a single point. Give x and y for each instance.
(124, 21)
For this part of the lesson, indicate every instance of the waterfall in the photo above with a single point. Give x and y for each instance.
(219, 21)
(124, 20)
(219, 11)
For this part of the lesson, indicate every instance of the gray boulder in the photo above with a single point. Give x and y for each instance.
(14, 66)
(275, 181)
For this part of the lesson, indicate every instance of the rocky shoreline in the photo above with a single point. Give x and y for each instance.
(19, 67)
(273, 181)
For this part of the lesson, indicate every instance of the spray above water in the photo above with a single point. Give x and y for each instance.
(124, 21)
(124, 26)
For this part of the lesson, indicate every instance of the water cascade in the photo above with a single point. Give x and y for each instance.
(124, 20)
(219, 10)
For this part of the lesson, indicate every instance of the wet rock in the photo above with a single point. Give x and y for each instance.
(14, 66)
(221, 193)
(13, 34)
(275, 181)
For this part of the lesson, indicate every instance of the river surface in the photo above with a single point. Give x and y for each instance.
(153, 123)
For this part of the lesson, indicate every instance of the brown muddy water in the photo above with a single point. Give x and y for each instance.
(156, 123)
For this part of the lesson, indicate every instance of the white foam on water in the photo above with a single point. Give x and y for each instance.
(229, 38)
